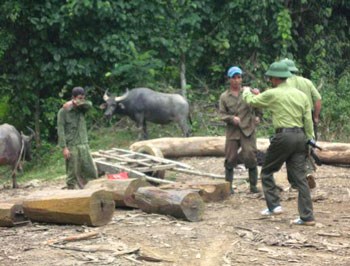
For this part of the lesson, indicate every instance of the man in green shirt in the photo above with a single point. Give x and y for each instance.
(306, 86)
(291, 118)
(73, 139)
(241, 120)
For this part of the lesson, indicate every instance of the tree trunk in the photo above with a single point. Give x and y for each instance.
(37, 121)
(193, 146)
(210, 191)
(183, 75)
(332, 153)
(90, 207)
(123, 190)
(185, 204)
(11, 214)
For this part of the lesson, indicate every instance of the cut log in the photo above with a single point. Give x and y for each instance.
(123, 190)
(327, 156)
(185, 204)
(82, 207)
(210, 191)
(193, 146)
(332, 153)
(11, 214)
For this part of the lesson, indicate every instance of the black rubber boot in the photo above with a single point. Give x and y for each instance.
(253, 180)
(229, 178)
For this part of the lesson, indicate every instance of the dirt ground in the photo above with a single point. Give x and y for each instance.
(232, 232)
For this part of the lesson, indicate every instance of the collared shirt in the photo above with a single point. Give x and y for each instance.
(306, 86)
(71, 125)
(289, 107)
(230, 106)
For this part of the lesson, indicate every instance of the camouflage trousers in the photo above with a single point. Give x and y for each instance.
(80, 167)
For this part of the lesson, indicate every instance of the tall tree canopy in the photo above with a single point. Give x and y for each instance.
(49, 46)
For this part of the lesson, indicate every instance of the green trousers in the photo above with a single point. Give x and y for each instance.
(80, 167)
(289, 148)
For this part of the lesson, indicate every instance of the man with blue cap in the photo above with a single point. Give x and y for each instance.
(291, 118)
(241, 121)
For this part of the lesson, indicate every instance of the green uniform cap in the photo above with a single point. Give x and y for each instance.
(278, 70)
(290, 64)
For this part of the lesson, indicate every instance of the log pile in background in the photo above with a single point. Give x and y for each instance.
(332, 153)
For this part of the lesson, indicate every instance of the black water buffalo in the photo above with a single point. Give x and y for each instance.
(13, 147)
(143, 104)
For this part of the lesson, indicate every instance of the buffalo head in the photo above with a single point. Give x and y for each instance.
(113, 104)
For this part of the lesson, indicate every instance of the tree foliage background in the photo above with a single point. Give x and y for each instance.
(49, 46)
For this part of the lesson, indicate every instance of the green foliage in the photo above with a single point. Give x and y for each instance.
(49, 46)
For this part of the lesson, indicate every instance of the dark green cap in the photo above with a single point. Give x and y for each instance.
(278, 70)
(291, 65)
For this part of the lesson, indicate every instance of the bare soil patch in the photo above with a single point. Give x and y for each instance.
(231, 233)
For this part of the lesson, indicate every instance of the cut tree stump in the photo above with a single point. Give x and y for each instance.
(185, 204)
(210, 191)
(82, 207)
(123, 189)
(11, 214)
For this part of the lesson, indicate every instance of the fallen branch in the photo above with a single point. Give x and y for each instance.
(72, 238)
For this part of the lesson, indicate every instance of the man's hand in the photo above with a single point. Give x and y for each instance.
(66, 153)
(68, 105)
(254, 91)
(316, 120)
(236, 120)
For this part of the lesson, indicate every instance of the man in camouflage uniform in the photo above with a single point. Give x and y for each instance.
(73, 139)
(241, 122)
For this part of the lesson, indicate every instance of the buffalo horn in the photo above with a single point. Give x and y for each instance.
(120, 98)
(105, 96)
(32, 133)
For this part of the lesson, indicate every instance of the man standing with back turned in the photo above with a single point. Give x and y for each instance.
(240, 122)
(73, 139)
(291, 118)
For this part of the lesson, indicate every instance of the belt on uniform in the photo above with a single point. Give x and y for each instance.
(289, 130)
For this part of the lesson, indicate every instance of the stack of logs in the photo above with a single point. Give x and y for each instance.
(95, 204)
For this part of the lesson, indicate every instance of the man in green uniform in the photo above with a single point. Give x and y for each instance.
(73, 139)
(241, 120)
(291, 118)
(306, 86)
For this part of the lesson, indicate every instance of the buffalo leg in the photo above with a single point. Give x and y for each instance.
(14, 180)
(185, 128)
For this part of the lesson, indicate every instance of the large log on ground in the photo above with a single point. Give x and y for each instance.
(122, 189)
(332, 153)
(82, 207)
(210, 191)
(185, 204)
(11, 214)
(190, 147)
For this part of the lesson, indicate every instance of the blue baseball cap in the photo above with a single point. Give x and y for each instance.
(234, 71)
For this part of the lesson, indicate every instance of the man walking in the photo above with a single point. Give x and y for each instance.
(291, 118)
(306, 86)
(73, 139)
(241, 120)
